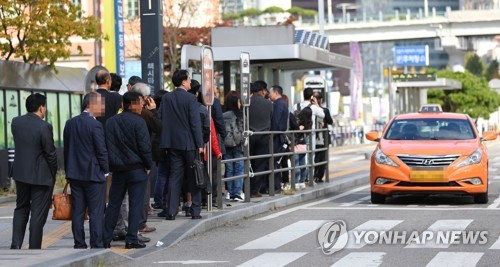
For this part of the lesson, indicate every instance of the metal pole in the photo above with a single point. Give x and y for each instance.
(219, 184)
(247, 156)
(209, 160)
(271, 166)
(321, 13)
(327, 145)
(292, 160)
(391, 94)
(310, 162)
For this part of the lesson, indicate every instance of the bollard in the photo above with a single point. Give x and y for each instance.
(11, 155)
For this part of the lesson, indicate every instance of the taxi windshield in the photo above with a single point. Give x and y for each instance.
(430, 129)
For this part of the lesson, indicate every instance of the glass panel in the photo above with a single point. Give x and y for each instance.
(64, 112)
(12, 112)
(2, 124)
(53, 116)
(76, 103)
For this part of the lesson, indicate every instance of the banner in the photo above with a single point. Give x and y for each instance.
(245, 78)
(356, 84)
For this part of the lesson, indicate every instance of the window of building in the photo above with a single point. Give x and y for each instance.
(12, 103)
(64, 112)
(132, 8)
(52, 117)
(76, 103)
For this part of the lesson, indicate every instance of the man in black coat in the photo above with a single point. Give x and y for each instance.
(86, 164)
(129, 149)
(112, 100)
(260, 115)
(182, 136)
(35, 167)
(279, 122)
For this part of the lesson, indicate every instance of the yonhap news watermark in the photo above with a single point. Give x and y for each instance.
(334, 236)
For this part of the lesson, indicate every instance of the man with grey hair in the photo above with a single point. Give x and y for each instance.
(150, 115)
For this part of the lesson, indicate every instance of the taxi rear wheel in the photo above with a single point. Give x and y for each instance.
(377, 198)
(481, 198)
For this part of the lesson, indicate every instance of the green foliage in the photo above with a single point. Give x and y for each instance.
(298, 11)
(474, 64)
(251, 12)
(231, 16)
(41, 30)
(475, 98)
(274, 9)
(492, 71)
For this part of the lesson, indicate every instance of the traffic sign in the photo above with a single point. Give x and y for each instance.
(411, 55)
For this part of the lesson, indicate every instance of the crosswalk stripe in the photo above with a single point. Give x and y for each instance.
(440, 227)
(496, 245)
(284, 235)
(348, 204)
(273, 259)
(371, 225)
(368, 259)
(495, 203)
(455, 259)
(277, 214)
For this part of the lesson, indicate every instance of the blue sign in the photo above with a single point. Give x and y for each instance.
(411, 55)
(120, 39)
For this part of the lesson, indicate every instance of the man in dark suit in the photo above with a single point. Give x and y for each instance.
(279, 122)
(35, 167)
(129, 149)
(86, 163)
(113, 101)
(182, 136)
(260, 114)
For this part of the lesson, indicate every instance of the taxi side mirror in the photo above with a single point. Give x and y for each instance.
(372, 136)
(489, 136)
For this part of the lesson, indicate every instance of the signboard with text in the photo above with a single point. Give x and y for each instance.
(151, 13)
(411, 55)
(207, 72)
(120, 39)
(413, 77)
(245, 78)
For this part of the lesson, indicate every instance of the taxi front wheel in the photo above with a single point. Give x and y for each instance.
(377, 198)
(480, 198)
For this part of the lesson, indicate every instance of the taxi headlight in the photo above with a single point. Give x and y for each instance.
(381, 181)
(382, 158)
(474, 158)
(474, 181)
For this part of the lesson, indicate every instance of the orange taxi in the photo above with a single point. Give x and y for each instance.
(429, 152)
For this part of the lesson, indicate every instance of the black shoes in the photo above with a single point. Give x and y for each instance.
(156, 206)
(143, 239)
(188, 211)
(196, 217)
(119, 235)
(15, 247)
(134, 245)
(170, 217)
(107, 245)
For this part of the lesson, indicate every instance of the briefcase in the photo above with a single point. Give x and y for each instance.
(62, 206)
(202, 180)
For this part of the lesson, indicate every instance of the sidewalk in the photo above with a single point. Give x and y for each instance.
(58, 240)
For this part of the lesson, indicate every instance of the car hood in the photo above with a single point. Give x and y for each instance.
(428, 147)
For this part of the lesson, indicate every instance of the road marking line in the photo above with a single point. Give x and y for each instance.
(455, 259)
(346, 172)
(496, 245)
(189, 262)
(284, 235)
(277, 214)
(401, 209)
(54, 235)
(273, 259)
(371, 225)
(495, 203)
(493, 169)
(7, 217)
(441, 226)
(348, 204)
(371, 259)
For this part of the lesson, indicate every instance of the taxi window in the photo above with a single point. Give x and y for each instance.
(430, 129)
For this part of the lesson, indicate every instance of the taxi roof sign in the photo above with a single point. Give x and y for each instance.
(430, 108)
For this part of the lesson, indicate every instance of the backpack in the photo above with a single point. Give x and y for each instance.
(304, 116)
(234, 135)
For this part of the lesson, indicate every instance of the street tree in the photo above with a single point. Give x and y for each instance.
(41, 30)
(474, 64)
(301, 12)
(491, 71)
(273, 10)
(475, 98)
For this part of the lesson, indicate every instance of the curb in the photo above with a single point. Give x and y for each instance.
(219, 219)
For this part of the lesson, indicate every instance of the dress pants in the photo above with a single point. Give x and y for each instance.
(180, 162)
(259, 145)
(319, 171)
(34, 199)
(92, 196)
(134, 182)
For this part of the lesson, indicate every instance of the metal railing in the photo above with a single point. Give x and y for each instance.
(247, 158)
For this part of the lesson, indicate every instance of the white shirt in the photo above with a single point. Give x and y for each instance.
(316, 111)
